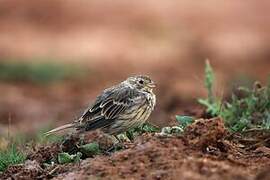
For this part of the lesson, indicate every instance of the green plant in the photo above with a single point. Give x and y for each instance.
(212, 103)
(184, 121)
(86, 150)
(250, 110)
(9, 147)
(90, 149)
(11, 156)
(145, 128)
(64, 158)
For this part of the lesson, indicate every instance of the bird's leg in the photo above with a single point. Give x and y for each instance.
(129, 136)
(117, 138)
(123, 140)
(117, 145)
(70, 143)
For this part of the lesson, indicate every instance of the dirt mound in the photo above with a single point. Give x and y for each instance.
(30, 169)
(44, 153)
(207, 134)
(202, 152)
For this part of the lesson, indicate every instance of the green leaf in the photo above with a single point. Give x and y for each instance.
(209, 80)
(184, 121)
(150, 128)
(145, 128)
(11, 156)
(64, 158)
(90, 149)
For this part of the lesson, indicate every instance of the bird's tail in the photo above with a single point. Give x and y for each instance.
(66, 126)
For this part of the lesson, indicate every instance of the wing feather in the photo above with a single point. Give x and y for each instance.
(108, 107)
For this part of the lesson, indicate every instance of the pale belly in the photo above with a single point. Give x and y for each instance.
(133, 117)
(123, 125)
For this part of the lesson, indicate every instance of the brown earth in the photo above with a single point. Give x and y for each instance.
(205, 151)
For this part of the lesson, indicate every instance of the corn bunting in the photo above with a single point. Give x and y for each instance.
(119, 108)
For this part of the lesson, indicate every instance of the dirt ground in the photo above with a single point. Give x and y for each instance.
(205, 151)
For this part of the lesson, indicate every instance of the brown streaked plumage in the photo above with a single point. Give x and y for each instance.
(119, 108)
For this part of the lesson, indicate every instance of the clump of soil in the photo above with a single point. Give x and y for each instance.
(263, 175)
(28, 170)
(72, 143)
(105, 141)
(44, 154)
(204, 133)
(204, 151)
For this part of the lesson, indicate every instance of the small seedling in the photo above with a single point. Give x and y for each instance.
(213, 104)
(209, 81)
(11, 156)
(64, 158)
(90, 149)
(145, 128)
(251, 110)
(184, 121)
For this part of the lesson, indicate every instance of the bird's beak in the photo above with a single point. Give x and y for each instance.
(152, 85)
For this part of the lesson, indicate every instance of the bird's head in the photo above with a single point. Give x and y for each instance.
(141, 82)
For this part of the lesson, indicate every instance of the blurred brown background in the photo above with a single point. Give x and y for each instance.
(101, 42)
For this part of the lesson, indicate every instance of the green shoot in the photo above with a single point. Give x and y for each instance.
(184, 121)
(11, 156)
(252, 110)
(145, 128)
(209, 81)
(64, 158)
(90, 149)
(212, 104)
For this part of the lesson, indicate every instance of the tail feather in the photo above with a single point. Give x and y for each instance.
(66, 126)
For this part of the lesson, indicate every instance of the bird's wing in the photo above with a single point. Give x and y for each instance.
(107, 107)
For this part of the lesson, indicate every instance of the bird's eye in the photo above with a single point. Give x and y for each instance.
(141, 81)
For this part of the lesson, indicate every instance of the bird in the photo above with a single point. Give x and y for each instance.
(117, 109)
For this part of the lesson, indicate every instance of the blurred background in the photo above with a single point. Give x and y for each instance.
(56, 56)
